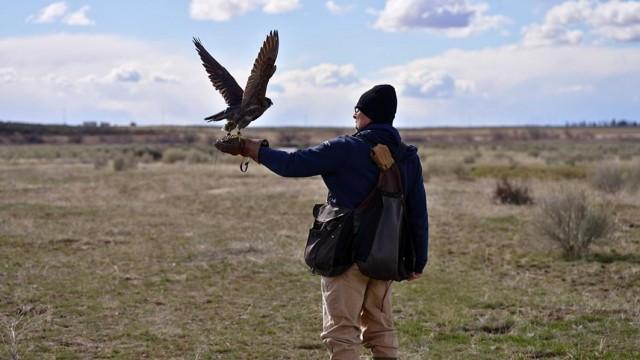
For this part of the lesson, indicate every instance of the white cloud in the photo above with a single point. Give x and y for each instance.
(565, 23)
(431, 85)
(422, 79)
(578, 88)
(554, 30)
(516, 85)
(7, 75)
(49, 13)
(224, 10)
(102, 77)
(279, 6)
(220, 10)
(454, 18)
(321, 95)
(79, 18)
(617, 20)
(336, 9)
(164, 78)
(549, 35)
(56, 11)
(124, 73)
(57, 80)
(569, 12)
(117, 79)
(323, 75)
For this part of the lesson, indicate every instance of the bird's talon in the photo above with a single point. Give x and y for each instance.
(244, 165)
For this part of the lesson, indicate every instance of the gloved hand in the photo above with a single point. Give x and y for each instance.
(242, 146)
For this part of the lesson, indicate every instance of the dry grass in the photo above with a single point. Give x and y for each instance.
(188, 261)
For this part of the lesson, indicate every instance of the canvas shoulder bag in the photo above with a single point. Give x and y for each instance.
(383, 243)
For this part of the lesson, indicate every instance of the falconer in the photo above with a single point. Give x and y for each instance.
(356, 309)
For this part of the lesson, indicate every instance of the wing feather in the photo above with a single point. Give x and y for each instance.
(263, 69)
(219, 76)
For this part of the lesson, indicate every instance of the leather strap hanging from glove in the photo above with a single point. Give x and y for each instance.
(242, 146)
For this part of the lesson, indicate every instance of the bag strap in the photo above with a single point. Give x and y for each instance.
(395, 151)
(383, 157)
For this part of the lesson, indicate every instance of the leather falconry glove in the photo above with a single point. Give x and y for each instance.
(242, 146)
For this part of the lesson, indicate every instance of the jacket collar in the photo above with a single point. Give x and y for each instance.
(379, 132)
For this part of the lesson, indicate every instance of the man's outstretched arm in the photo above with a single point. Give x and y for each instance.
(322, 159)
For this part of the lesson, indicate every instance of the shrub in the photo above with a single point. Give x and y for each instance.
(148, 154)
(146, 158)
(535, 134)
(198, 157)
(462, 173)
(436, 169)
(100, 163)
(574, 222)
(118, 164)
(470, 159)
(609, 179)
(625, 157)
(633, 180)
(123, 163)
(173, 155)
(507, 192)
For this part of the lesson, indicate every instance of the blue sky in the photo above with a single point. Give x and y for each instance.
(453, 62)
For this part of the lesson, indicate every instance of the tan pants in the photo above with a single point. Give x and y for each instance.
(357, 310)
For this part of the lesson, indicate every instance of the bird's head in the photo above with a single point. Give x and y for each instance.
(268, 102)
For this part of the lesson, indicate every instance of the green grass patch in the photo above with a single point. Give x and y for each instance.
(608, 258)
(504, 223)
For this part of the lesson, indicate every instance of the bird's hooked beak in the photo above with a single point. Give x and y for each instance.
(269, 102)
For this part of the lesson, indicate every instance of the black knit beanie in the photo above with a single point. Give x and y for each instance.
(379, 104)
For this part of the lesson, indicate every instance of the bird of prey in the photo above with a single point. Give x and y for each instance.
(243, 106)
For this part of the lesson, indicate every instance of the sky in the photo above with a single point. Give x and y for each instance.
(452, 62)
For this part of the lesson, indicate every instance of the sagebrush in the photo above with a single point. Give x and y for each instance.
(574, 222)
(610, 179)
(510, 192)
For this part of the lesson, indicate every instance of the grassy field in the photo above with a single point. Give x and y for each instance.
(195, 260)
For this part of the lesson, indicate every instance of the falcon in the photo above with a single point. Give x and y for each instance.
(246, 105)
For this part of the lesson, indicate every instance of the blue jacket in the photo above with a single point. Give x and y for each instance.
(349, 173)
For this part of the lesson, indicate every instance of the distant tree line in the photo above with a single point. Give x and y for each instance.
(26, 133)
(620, 123)
(55, 129)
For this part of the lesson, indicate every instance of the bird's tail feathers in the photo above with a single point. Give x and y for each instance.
(219, 116)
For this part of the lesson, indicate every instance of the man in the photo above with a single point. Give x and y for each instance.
(356, 309)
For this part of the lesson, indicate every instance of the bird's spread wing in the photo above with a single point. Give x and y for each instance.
(219, 76)
(263, 68)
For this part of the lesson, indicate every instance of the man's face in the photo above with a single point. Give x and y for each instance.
(362, 120)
